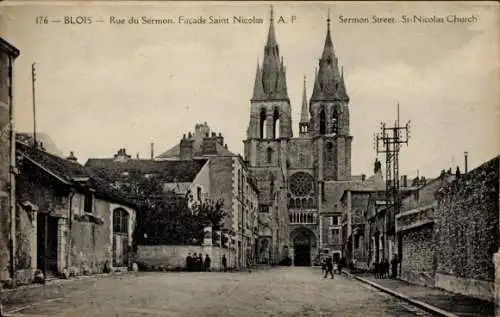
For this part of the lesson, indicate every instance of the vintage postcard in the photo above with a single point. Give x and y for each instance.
(249, 158)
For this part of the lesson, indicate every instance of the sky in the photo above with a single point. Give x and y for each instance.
(101, 87)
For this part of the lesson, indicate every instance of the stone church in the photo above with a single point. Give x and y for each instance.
(300, 178)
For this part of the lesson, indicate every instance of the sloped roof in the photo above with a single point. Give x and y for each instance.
(44, 138)
(334, 190)
(175, 151)
(71, 173)
(373, 183)
(166, 171)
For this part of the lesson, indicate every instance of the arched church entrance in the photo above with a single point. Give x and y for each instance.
(303, 242)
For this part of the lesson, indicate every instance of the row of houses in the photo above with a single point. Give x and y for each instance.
(59, 217)
(445, 235)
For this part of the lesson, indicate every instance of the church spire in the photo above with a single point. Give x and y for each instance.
(341, 90)
(258, 90)
(328, 52)
(327, 79)
(304, 114)
(271, 35)
(272, 73)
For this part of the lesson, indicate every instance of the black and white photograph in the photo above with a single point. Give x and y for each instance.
(249, 158)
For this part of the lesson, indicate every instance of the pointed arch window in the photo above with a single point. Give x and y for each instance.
(269, 155)
(262, 124)
(276, 124)
(322, 122)
(335, 121)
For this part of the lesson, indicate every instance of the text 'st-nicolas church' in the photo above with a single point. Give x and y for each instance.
(300, 179)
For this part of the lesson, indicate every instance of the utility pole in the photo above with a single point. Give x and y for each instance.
(33, 79)
(388, 141)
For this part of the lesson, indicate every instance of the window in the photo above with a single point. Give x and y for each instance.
(276, 124)
(334, 221)
(269, 153)
(120, 221)
(322, 122)
(356, 241)
(88, 203)
(263, 124)
(301, 184)
(198, 193)
(334, 236)
(263, 208)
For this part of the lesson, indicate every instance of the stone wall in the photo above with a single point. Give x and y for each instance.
(467, 223)
(91, 246)
(173, 257)
(418, 262)
(4, 169)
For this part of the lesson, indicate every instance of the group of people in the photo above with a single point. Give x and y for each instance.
(382, 268)
(328, 266)
(195, 263)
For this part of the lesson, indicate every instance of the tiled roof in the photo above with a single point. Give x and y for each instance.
(166, 171)
(69, 172)
(47, 141)
(175, 151)
(334, 191)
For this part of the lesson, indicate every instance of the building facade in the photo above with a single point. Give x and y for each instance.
(229, 179)
(68, 220)
(300, 179)
(8, 54)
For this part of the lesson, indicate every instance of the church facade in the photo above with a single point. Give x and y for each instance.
(300, 178)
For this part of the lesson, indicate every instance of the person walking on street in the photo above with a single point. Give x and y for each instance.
(329, 267)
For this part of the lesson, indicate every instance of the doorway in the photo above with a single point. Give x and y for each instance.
(303, 241)
(302, 255)
(47, 244)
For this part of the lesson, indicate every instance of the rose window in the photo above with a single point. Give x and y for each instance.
(301, 184)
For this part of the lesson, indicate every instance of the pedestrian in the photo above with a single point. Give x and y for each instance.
(200, 262)
(329, 267)
(385, 268)
(224, 262)
(207, 263)
(377, 269)
(394, 266)
(354, 265)
(189, 262)
(323, 266)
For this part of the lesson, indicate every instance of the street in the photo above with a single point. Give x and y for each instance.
(289, 291)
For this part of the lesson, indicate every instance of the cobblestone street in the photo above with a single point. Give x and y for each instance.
(265, 292)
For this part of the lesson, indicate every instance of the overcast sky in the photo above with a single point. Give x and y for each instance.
(102, 87)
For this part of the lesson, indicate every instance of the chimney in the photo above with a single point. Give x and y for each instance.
(404, 181)
(122, 155)
(220, 139)
(153, 150)
(72, 157)
(187, 148)
(466, 154)
(209, 145)
(137, 155)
